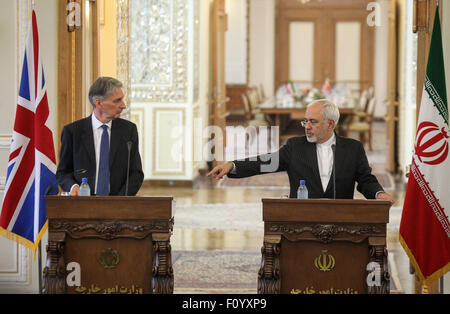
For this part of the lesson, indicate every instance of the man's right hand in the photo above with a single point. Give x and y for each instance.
(219, 171)
(75, 190)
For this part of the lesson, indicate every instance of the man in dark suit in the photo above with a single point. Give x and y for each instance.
(97, 147)
(310, 158)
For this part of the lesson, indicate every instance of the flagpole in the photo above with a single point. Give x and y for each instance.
(40, 267)
(33, 6)
(441, 280)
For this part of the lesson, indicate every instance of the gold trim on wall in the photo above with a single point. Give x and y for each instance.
(101, 12)
(248, 43)
(123, 50)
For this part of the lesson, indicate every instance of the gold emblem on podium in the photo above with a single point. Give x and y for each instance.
(109, 258)
(325, 261)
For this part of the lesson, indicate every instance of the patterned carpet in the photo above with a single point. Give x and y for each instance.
(216, 271)
(230, 272)
(244, 217)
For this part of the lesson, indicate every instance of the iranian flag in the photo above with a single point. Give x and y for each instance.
(425, 227)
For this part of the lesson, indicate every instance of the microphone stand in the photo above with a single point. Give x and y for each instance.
(333, 147)
(129, 143)
(40, 267)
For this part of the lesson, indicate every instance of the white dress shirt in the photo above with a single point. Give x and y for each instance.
(325, 160)
(98, 131)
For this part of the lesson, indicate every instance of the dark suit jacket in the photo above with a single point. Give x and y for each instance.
(77, 156)
(299, 158)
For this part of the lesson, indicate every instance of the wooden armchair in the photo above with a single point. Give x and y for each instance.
(256, 118)
(362, 123)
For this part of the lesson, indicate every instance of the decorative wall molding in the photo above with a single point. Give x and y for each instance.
(19, 273)
(137, 115)
(163, 72)
(159, 51)
(5, 141)
(161, 137)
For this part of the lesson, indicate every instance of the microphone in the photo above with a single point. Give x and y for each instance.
(333, 148)
(129, 144)
(80, 171)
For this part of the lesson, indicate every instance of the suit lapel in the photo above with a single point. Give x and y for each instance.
(115, 140)
(311, 156)
(88, 138)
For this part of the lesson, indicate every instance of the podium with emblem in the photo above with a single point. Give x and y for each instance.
(324, 246)
(109, 245)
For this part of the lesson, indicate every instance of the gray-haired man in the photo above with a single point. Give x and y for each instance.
(98, 147)
(310, 158)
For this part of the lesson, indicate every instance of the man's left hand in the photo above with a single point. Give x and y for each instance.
(385, 197)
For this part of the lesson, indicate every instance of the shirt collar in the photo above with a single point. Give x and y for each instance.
(97, 124)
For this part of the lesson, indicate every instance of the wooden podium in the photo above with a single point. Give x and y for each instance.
(118, 244)
(324, 246)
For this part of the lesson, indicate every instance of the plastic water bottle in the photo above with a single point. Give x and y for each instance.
(302, 192)
(85, 190)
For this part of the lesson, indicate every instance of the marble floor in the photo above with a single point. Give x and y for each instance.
(207, 191)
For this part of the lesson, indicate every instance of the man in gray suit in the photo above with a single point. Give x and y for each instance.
(311, 158)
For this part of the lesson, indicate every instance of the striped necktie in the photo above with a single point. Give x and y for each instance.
(103, 167)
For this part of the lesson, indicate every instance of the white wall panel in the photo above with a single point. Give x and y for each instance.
(262, 41)
(168, 144)
(348, 52)
(236, 42)
(301, 51)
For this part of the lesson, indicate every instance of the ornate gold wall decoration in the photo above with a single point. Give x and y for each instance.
(159, 51)
(123, 51)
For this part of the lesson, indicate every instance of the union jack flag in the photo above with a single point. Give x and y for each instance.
(32, 164)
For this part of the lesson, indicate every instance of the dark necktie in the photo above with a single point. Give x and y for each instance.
(103, 167)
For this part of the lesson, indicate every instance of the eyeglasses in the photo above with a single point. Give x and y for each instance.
(312, 121)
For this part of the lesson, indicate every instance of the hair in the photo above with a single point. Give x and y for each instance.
(102, 88)
(329, 110)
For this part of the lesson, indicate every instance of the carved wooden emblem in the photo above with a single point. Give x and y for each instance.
(325, 261)
(109, 258)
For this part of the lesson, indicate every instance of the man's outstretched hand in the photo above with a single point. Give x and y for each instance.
(219, 171)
